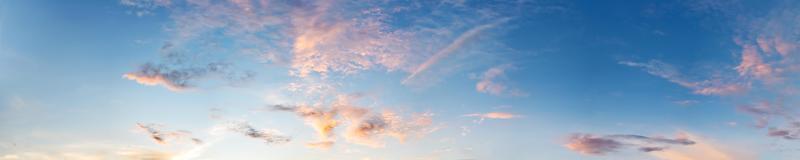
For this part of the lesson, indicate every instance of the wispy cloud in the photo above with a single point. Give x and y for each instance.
(181, 78)
(244, 128)
(493, 115)
(600, 145)
(161, 136)
(715, 86)
(452, 47)
(491, 82)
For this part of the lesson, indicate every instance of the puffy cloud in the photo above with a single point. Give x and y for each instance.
(363, 126)
(600, 145)
(161, 136)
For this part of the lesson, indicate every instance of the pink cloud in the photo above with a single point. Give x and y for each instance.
(491, 82)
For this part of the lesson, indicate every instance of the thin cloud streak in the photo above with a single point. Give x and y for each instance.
(600, 145)
(452, 47)
(162, 137)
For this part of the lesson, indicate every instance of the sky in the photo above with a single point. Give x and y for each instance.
(400, 80)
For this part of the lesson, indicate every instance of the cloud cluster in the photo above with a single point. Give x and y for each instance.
(363, 126)
(765, 112)
(324, 38)
(599, 145)
(161, 136)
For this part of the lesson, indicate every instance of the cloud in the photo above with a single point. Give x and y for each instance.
(181, 78)
(788, 127)
(600, 145)
(490, 82)
(669, 72)
(363, 126)
(753, 65)
(492, 115)
(592, 145)
(267, 136)
(323, 121)
(162, 137)
(145, 7)
(326, 38)
(452, 47)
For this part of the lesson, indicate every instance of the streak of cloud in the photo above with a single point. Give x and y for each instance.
(267, 136)
(701, 87)
(600, 145)
(492, 115)
(161, 136)
(452, 47)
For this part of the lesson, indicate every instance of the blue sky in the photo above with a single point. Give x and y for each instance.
(461, 79)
